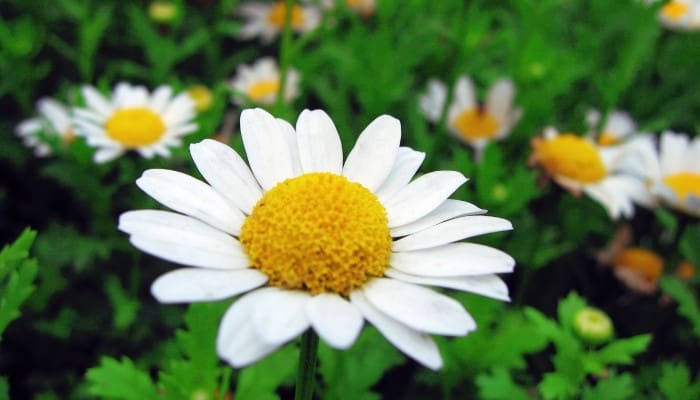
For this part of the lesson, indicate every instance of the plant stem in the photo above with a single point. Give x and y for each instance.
(307, 366)
(285, 48)
(225, 384)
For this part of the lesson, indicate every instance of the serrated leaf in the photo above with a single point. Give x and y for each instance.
(567, 309)
(261, 380)
(615, 387)
(687, 302)
(16, 278)
(120, 380)
(558, 386)
(350, 374)
(622, 351)
(499, 385)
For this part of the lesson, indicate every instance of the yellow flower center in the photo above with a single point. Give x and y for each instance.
(135, 127)
(572, 157)
(202, 96)
(318, 232)
(608, 139)
(674, 10)
(162, 11)
(262, 89)
(476, 124)
(278, 13)
(684, 184)
(643, 262)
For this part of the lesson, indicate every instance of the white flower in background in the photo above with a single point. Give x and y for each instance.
(681, 15)
(53, 120)
(314, 242)
(476, 124)
(672, 173)
(618, 127)
(260, 83)
(364, 8)
(580, 166)
(432, 102)
(133, 119)
(266, 19)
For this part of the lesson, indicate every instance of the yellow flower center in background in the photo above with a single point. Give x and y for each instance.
(476, 124)
(318, 232)
(135, 127)
(643, 262)
(608, 139)
(278, 12)
(202, 96)
(674, 10)
(262, 89)
(684, 184)
(162, 11)
(571, 156)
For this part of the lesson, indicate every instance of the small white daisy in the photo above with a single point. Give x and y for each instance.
(315, 242)
(476, 124)
(432, 102)
(134, 120)
(618, 127)
(673, 173)
(260, 83)
(580, 166)
(53, 120)
(267, 19)
(683, 15)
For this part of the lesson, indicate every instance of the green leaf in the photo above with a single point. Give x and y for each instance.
(125, 305)
(499, 385)
(17, 273)
(558, 386)
(615, 387)
(675, 383)
(120, 380)
(4, 389)
(687, 302)
(260, 381)
(689, 244)
(351, 373)
(622, 351)
(567, 309)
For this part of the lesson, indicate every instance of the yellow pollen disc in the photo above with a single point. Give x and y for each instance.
(572, 157)
(278, 12)
(684, 184)
(641, 261)
(608, 139)
(262, 89)
(202, 96)
(135, 127)
(69, 136)
(476, 124)
(318, 232)
(674, 10)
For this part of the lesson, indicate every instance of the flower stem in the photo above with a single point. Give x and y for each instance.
(307, 366)
(285, 48)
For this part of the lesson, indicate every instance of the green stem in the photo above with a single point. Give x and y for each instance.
(285, 48)
(225, 384)
(307, 366)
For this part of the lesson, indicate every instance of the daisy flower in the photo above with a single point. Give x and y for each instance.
(639, 269)
(314, 242)
(53, 120)
(681, 15)
(260, 83)
(618, 127)
(432, 102)
(134, 120)
(477, 124)
(580, 166)
(673, 173)
(267, 19)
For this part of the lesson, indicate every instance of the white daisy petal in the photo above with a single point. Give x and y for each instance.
(500, 99)
(187, 285)
(485, 285)
(192, 197)
(96, 101)
(447, 210)
(419, 308)
(160, 98)
(407, 163)
(464, 96)
(414, 344)
(452, 231)
(454, 259)
(673, 148)
(237, 341)
(226, 172)
(320, 149)
(280, 315)
(371, 160)
(182, 239)
(107, 154)
(336, 321)
(267, 147)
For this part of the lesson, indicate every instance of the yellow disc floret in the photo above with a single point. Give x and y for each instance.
(278, 13)
(262, 89)
(684, 184)
(476, 124)
(318, 232)
(674, 10)
(570, 156)
(135, 127)
(642, 262)
(608, 139)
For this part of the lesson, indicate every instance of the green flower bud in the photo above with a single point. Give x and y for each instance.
(593, 326)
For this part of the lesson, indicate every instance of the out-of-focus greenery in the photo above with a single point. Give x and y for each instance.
(89, 327)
